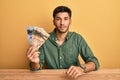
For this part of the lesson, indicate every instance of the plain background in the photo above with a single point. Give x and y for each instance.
(98, 21)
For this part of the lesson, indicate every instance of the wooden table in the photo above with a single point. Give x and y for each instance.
(25, 74)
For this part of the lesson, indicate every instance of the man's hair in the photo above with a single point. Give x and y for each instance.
(62, 9)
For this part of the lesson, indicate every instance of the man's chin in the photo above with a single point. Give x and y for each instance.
(63, 31)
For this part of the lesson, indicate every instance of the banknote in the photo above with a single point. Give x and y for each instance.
(36, 36)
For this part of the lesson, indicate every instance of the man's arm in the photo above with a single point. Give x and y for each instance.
(33, 56)
(76, 71)
(34, 66)
(90, 66)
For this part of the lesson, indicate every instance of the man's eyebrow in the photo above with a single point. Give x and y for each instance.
(66, 17)
(57, 17)
(60, 17)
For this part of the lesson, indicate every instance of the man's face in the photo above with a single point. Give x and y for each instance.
(62, 22)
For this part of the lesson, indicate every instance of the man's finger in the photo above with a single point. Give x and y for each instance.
(36, 54)
(28, 51)
(32, 52)
(74, 74)
(69, 70)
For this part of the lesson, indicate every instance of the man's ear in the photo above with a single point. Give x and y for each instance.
(53, 21)
(70, 21)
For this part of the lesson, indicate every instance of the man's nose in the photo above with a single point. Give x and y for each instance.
(62, 22)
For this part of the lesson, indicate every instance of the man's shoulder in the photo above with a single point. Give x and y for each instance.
(75, 34)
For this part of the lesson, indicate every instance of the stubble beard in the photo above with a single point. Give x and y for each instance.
(62, 32)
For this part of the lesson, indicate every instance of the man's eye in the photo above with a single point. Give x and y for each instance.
(57, 19)
(66, 18)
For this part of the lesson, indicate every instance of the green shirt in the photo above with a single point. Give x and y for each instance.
(57, 56)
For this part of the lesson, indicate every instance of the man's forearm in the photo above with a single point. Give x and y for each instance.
(90, 66)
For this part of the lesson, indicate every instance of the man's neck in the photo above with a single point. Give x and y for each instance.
(61, 37)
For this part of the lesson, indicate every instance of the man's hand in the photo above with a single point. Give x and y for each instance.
(75, 71)
(33, 54)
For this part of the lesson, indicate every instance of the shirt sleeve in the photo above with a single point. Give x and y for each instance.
(41, 56)
(86, 53)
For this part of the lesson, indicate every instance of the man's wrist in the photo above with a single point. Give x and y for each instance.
(35, 66)
(83, 68)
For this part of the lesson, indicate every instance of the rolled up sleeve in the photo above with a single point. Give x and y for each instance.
(87, 54)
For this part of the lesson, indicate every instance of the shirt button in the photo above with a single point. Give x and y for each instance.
(60, 57)
(60, 66)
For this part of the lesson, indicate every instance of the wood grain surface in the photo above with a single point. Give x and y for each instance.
(57, 74)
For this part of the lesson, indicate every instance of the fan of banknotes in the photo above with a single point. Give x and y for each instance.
(36, 36)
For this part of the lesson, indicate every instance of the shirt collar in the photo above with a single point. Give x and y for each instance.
(54, 36)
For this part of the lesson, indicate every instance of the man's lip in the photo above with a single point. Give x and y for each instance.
(62, 26)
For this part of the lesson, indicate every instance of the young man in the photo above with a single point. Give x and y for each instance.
(62, 48)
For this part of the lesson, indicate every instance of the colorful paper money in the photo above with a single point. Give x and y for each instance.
(36, 36)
